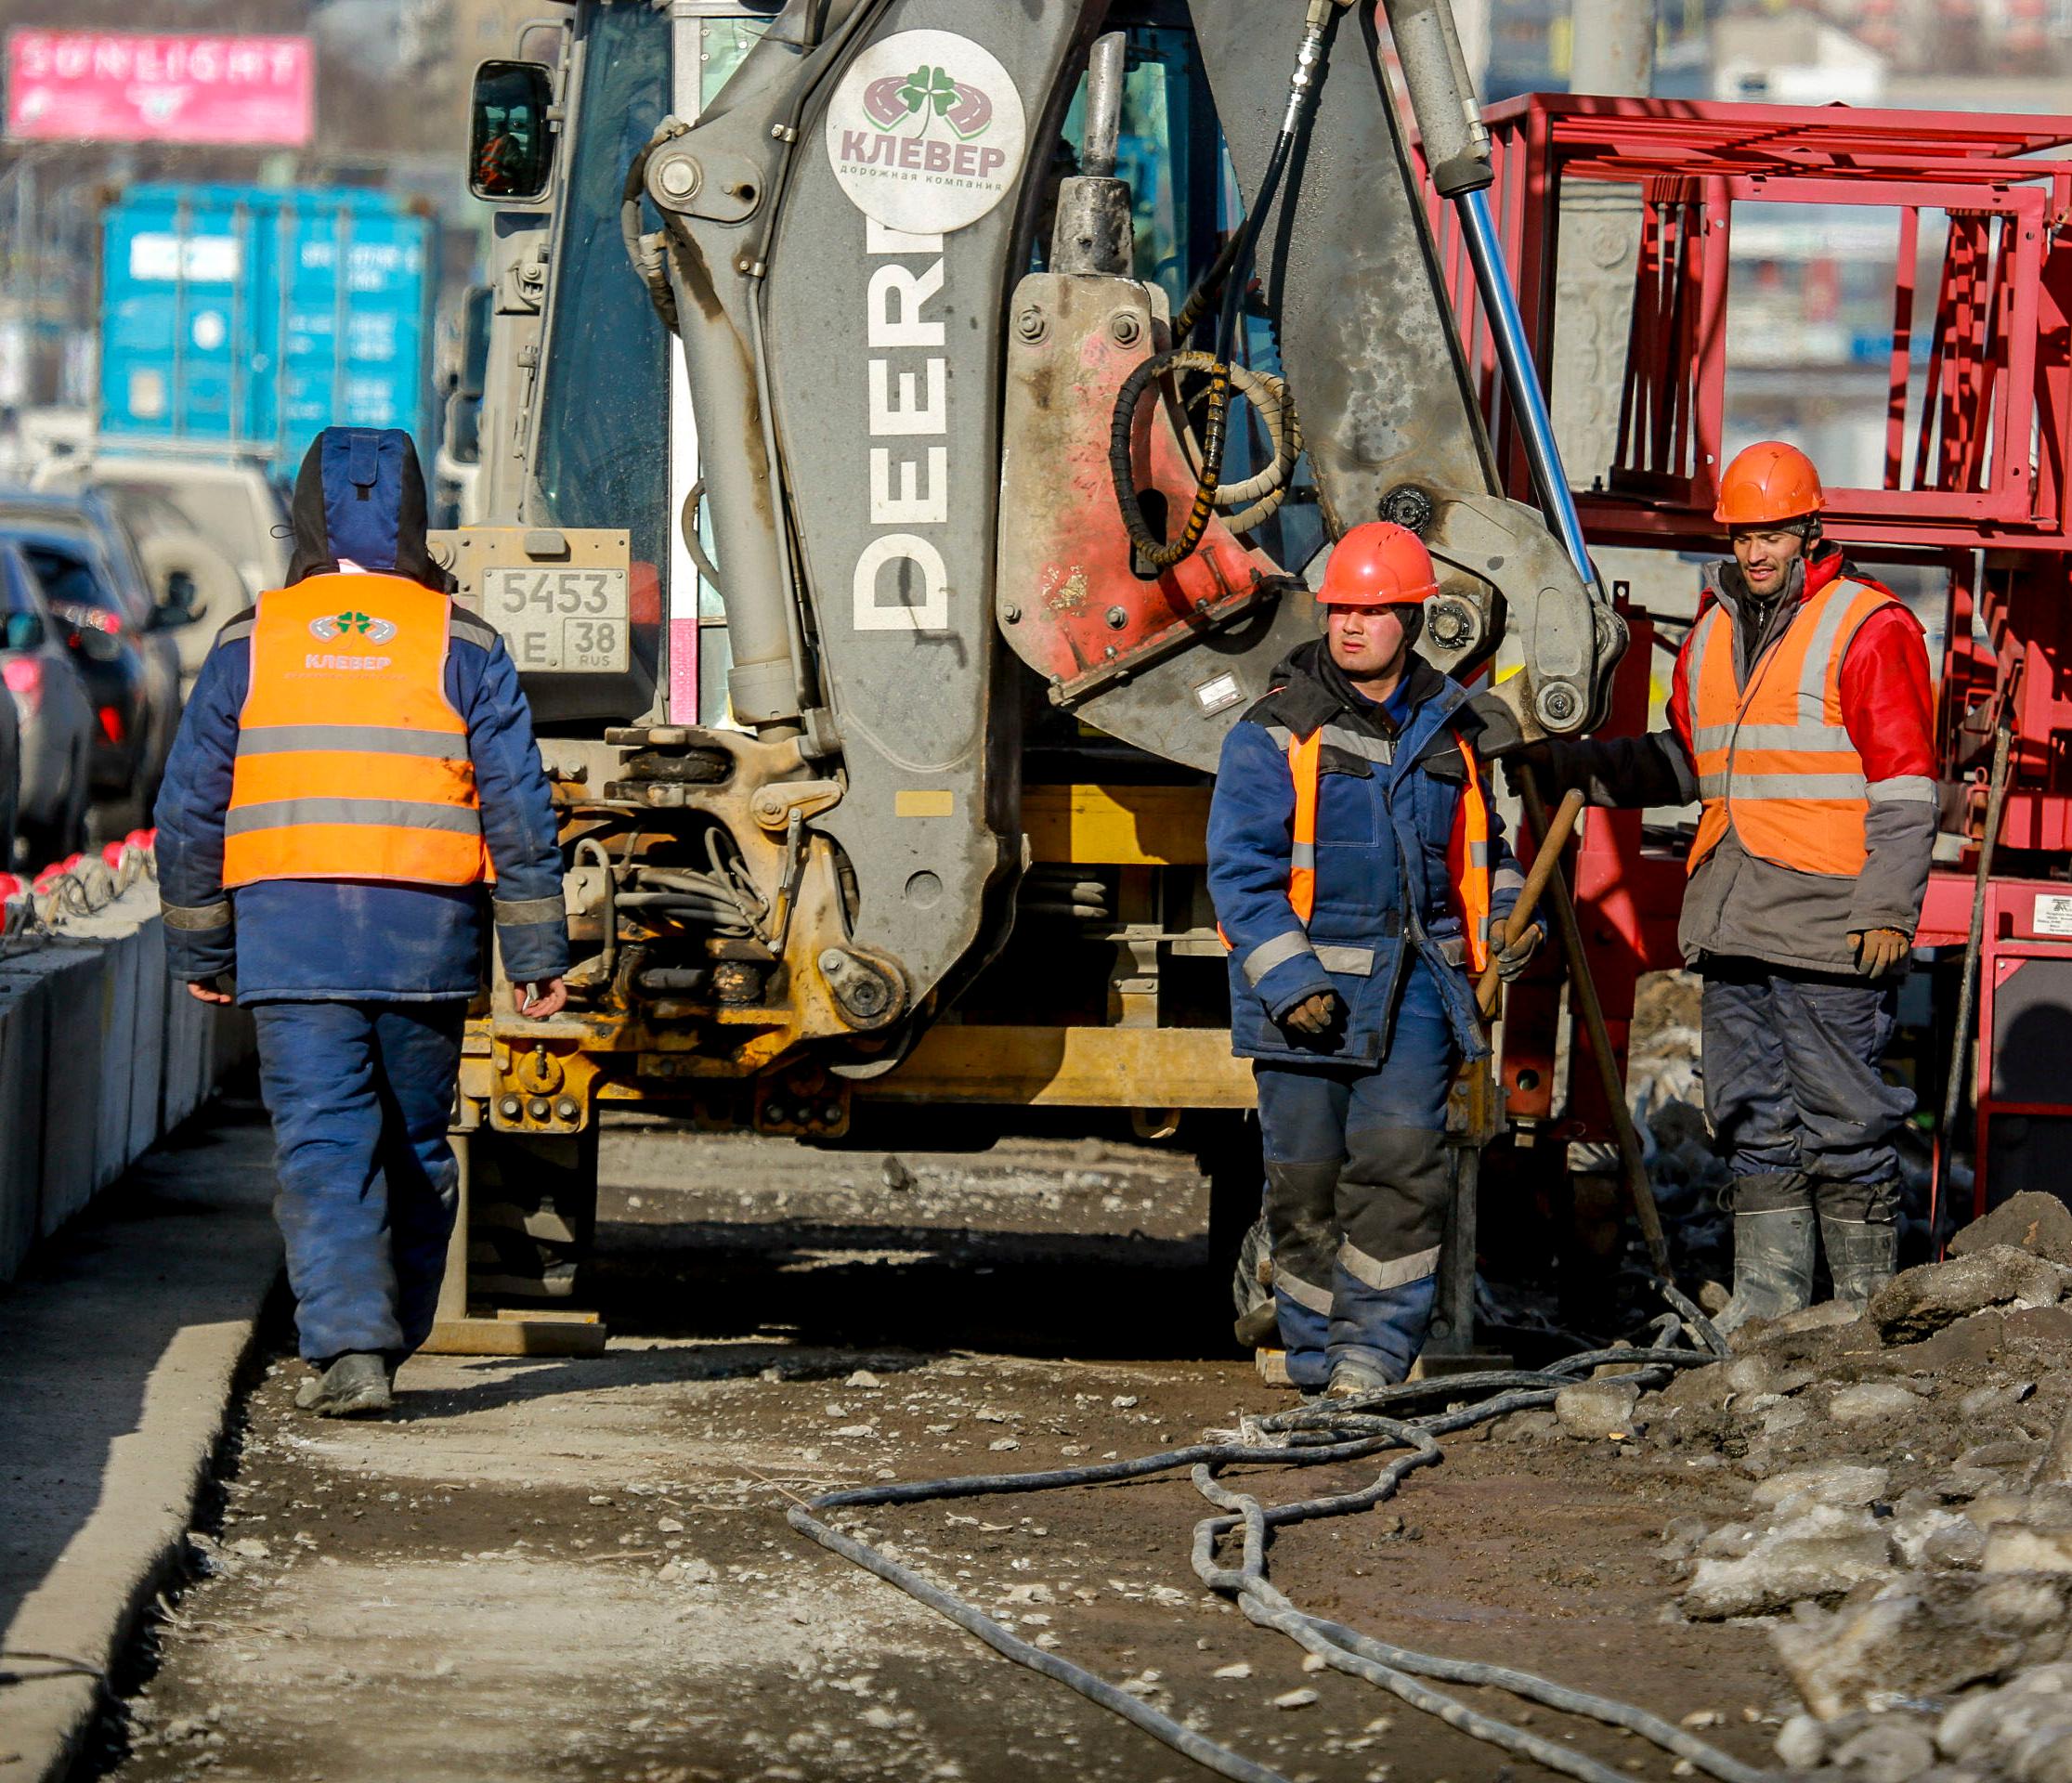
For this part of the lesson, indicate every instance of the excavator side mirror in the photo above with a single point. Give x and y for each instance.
(509, 153)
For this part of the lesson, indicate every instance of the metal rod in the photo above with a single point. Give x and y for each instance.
(1552, 841)
(1582, 991)
(1975, 945)
(1521, 382)
(1104, 84)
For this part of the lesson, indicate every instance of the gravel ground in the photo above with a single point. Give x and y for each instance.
(581, 1569)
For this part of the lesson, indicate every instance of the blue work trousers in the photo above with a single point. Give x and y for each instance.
(1797, 1104)
(361, 1095)
(1356, 1192)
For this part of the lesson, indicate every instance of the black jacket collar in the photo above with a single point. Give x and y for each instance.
(1311, 691)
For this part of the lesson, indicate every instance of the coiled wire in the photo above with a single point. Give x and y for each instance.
(1337, 1431)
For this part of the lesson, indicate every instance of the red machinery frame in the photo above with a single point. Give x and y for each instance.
(1976, 473)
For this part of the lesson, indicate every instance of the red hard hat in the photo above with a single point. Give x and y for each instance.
(1768, 482)
(1378, 563)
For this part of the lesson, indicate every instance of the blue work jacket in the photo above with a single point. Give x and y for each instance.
(1386, 804)
(360, 498)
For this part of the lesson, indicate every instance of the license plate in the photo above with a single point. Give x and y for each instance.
(560, 621)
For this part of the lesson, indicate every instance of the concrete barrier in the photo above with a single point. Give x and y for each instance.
(22, 1055)
(68, 976)
(101, 1054)
(132, 940)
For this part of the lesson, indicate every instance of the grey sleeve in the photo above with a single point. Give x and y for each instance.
(1899, 843)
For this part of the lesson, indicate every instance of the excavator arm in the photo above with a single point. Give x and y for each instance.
(927, 469)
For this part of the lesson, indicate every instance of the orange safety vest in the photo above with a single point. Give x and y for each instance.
(1467, 856)
(351, 763)
(1774, 760)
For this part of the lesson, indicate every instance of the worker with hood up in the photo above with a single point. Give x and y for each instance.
(354, 770)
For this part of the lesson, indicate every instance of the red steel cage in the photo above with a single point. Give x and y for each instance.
(1977, 456)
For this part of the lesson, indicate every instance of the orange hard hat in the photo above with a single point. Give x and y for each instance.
(1768, 482)
(1378, 563)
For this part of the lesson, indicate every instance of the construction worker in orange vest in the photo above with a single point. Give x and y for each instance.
(1356, 868)
(1801, 721)
(355, 774)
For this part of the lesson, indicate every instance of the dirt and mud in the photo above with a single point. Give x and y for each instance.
(581, 1568)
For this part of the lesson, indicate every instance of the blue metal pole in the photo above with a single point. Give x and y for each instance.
(1521, 382)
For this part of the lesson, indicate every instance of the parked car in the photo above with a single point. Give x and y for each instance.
(122, 639)
(185, 568)
(55, 718)
(10, 773)
(231, 503)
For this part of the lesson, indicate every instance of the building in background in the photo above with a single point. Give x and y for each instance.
(391, 80)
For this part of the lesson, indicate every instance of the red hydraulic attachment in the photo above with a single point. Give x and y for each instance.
(1977, 463)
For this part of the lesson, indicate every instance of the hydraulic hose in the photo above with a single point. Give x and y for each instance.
(1235, 263)
(1319, 1432)
(1975, 943)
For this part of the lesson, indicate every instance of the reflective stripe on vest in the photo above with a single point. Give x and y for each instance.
(1469, 856)
(1775, 763)
(351, 763)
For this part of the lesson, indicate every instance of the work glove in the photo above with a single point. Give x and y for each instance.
(1315, 1015)
(1512, 960)
(1880, 951)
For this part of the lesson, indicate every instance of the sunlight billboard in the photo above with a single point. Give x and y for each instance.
(154, 86)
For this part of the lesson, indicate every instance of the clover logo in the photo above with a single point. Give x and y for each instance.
(928, 93)
(352, 624)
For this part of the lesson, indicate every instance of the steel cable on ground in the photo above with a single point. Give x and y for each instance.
(1309, 1435)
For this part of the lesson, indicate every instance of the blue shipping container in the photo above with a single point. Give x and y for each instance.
(244, 318)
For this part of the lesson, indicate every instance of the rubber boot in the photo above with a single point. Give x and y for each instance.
(1355, 1380)
(1773, 1266)
(352, 1387)
(1256, 1326)
(1862, 1255)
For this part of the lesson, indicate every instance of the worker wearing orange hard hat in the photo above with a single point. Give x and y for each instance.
(1801, 721)
(1357, 868)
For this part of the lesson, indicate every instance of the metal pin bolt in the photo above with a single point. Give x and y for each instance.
(1011, 613)
(567, 1110)
(1126, 326)
(678, 176)
(509, 1108)
(831, 1114)
(1031, 325)
(1557, 703)
(1117, 618)
(1110, 653)
(536, 1107)
(776, 1115)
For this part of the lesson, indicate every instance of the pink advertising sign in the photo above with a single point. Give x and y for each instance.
(147, 86)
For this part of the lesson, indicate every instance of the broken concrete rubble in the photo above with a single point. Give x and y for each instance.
(1595, 1409)
(1821, 1553)
(1908, 1527)
(2030, 1221)
(1908, 1518)
(1918, 1302)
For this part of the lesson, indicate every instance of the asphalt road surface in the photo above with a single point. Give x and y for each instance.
(581, 1569)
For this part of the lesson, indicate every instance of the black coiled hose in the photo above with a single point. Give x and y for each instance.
(1232, 268)
(1236, 265)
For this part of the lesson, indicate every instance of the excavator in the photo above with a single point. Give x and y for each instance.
(910, 433)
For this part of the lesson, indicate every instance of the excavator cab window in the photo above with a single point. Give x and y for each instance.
(606, 399)
(1184, 198)
(723, 46)
(1169, 151)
